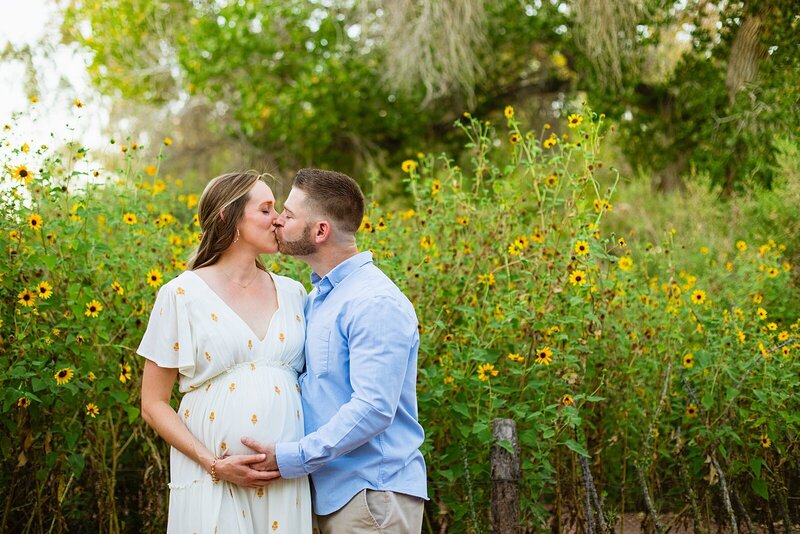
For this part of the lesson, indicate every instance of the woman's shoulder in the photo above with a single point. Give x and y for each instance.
(289, 284)
(179, 283)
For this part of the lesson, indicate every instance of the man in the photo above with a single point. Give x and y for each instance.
(359, 388)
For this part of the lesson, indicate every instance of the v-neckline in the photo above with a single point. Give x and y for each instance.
(246, 325)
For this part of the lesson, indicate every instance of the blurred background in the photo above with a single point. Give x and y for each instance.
(699, 88)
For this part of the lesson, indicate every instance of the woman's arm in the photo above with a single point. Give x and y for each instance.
(157, 383)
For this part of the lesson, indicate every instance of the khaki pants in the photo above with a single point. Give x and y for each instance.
(375, 511)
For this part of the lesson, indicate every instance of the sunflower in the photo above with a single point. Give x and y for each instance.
(544, 356)
(567, 400)
(92, 410)
(514, 357)
(762, 313)
(514, 249)
(621, 242)
(462, 221)
(486, 370)
(23, 402)
(93, 308)
(508, 112)
(625, 263)
(574, 120)
(35, 221)
(765, 441)
(688, 360)
(741, 245)
(537, 236)
(785, 350)
(408, 166)
(691, 410)
(772, 326)
(772, 272)
(436, 185)
(551, 141)
(698, 296)
(44, 290)
(26, 298)
(783, 336)
(154, 278)
(581, 248)
(63, 376)
(487, 279)
(514, 138)
(757, 298)
(129, 218)
(577, 278)
(551, 180)
(167, 141)
(124, 372)
(22, 174)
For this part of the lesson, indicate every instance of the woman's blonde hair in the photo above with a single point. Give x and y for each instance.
(220, 209)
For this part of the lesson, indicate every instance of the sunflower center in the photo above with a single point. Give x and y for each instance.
(62, 373)
(23, 173)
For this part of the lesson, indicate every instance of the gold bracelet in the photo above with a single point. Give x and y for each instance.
(214, 477)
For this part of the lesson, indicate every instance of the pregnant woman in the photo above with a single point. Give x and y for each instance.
(232, 334)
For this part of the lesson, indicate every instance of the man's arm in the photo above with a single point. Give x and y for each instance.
(380, 338)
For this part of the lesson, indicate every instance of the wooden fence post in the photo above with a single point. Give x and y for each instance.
(505, 478)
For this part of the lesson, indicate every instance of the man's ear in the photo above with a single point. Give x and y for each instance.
(323, 231)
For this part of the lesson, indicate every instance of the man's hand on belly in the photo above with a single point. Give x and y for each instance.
(271, 462)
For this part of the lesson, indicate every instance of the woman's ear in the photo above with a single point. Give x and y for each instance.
(222, 214)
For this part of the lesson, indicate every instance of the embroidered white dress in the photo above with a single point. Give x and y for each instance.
(233, 385)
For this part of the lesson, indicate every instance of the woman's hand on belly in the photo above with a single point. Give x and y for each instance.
(238, 469)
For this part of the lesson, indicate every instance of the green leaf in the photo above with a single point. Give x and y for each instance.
(577, 448)
(507, 445)
(133, 413)
(755, 465)
(760, 488)
(77, 462)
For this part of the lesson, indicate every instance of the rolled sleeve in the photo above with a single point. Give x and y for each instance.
(290, 460)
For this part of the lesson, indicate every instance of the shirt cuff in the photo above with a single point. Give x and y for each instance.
(290, 459)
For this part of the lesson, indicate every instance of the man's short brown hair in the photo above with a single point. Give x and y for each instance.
(333, 195)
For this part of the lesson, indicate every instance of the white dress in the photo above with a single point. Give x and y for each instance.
(233, 385)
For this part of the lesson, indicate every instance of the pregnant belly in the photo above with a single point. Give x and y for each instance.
(261, 403)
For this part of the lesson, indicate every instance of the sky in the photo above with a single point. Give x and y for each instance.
(59, 81)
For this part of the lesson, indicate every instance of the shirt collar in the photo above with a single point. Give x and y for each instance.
(343, 270)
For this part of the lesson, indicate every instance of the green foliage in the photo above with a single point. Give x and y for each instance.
(529, 306)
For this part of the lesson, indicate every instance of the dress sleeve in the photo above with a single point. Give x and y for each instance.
(168, 338)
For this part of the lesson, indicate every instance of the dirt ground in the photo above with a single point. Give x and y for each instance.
(636, 524)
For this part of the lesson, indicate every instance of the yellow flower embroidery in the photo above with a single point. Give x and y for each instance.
(176, 347)
(250, 344)
(254, 419)
(232, 387)
(252, 367)
(260, 492)
(214, 317)
(297, 317)
(297, 386)
(211, 416)
(223, 446)
(208, 356)
(274, 525)
(208, 386)
(180, 291)
(281, 337)
(277, 390)
(186, 413)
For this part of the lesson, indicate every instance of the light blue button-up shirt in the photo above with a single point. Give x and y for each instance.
(358, 390)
